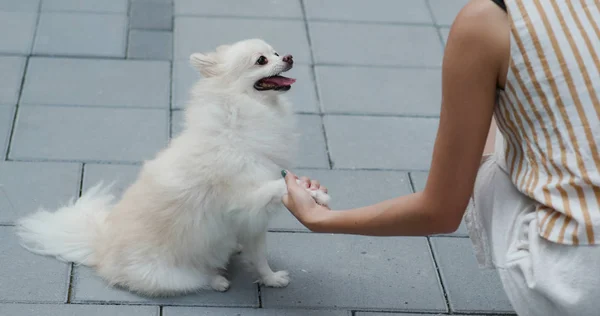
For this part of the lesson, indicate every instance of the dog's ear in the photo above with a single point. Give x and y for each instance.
(207, 64)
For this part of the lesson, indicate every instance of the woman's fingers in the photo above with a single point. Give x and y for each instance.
(314, 184)
(305, 182)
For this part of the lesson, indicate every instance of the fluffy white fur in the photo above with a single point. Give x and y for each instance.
(208, 195)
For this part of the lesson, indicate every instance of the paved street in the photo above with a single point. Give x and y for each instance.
(91, 88)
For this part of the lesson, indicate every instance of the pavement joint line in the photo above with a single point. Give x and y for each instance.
(16, 108)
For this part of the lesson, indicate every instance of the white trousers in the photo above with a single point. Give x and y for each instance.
(541, 278)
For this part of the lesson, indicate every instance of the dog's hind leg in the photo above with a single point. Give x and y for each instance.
(255, 254)
(163, 280)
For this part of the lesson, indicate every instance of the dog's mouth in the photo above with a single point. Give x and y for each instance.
(277, 83)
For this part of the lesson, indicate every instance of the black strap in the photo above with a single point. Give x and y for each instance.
(501, 4)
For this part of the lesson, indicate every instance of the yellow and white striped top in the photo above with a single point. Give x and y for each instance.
(549, 114)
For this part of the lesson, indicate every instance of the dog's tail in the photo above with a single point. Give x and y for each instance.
(69, 233)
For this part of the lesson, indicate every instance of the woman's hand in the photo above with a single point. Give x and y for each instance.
(301, 204)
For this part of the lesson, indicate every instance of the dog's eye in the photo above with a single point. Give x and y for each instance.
(262, 60)
(276, 54)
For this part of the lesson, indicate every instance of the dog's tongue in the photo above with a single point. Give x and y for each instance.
(279, 80)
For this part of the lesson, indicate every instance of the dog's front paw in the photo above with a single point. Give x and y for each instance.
(220, 283)
(277, 279)
(320, 197)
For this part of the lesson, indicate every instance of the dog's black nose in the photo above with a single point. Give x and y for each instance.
(288, 59)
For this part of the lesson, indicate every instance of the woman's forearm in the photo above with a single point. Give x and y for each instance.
(409, 215)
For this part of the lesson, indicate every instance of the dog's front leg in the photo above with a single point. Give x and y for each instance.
(255, 252)
(265, 194)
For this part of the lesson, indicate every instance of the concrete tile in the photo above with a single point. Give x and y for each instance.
(445, 31)
(123, 83)
(150, 45)
(207, 311)
(81, 34)
(6, 122)
(375, 186)
(312, 149)
(122, 176)
(22, 26)
(444, 11)
(151, 15)
(104, 6)
(28, 277)
(419, 179)
(184, 77)
(27, 186)
(303, 94)
(380, 90)
(176, 122)
(11, 69)
(88, 287)
(76, 310)
(388, 45)
(19, 5)
(287, 37)
(88, 134)
(380, 142)
(255, 8)
(341, 271)
(399, 11)
(469, 288)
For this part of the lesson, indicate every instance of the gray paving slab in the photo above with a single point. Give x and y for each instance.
(26, 187)
(103, 6)
(388, 45)
(176, 122)
(255, 8)
(287, 37)
(444, 31)
(184, 77)
(88, 287)
(22, 26)
(204, 311)
(88, 134)
(394, 11)
(303, 94)
(151, 15)
(374, 186)
(81, 34)
(20, 5)
(312, 148)
(361, 90)
(380, 142)
(28, 277)
(6, 122)
(444, 11)
(76, 310)
(122, 176)
(419, 179)
(469, 288)
(94, 82)
(145, 44)
(337, 271)
(11, 68)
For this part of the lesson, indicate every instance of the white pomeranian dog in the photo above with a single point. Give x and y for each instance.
(208, 195)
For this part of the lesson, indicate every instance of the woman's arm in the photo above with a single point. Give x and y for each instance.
(475, 57)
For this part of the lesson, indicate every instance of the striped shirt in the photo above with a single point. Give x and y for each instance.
(549, 114)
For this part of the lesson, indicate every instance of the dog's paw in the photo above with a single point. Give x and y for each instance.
(220, 284)
(277, 279)
(320, 197)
